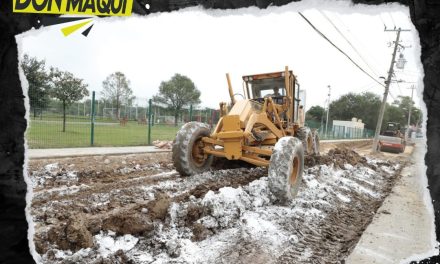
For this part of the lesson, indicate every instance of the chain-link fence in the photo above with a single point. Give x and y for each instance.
(339, 132)
(103, 123)
(108, 124)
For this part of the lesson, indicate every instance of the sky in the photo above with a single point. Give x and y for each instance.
(204, 45)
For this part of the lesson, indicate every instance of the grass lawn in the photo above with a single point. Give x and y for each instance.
(50, 135)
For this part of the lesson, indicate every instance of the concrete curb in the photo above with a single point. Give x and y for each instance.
(92, 151)
(81, 152)
(402, 227)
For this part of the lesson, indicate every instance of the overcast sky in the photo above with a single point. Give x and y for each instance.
(206, 44)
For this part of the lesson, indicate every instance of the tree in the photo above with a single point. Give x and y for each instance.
(38, 81)
(416, 116)
(405, 103)
(67, 88)
(117, 90)
(363, 106)
(315, 113)
(394, 113)
(177, 93)
(366, 106)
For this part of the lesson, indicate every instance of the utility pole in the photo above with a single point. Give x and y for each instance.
(387, 87)
(410, 109)
(328, 109)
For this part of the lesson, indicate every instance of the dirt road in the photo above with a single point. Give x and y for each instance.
(137, 209)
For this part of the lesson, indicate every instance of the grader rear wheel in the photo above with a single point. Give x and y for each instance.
(188, 156)
(286, 169)
(316, 146)
(306, 137)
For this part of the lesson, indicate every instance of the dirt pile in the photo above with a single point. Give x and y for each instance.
(158, 208)
(127, 223)
(337, 157)
(77, 233)
(73, 235)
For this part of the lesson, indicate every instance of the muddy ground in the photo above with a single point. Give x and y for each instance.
(137, 209)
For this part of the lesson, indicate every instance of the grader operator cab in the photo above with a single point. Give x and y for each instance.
(264, 129)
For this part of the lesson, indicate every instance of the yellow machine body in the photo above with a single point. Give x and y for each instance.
(252, 126)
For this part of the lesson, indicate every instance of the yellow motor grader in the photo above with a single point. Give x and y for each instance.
(265, 128)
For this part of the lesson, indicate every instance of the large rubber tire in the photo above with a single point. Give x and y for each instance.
(183, 152)
(306, 137)
(286, 169)
(316, 144)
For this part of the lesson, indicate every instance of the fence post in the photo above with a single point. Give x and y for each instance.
(190, 113)
(92, 120)
(149, 121)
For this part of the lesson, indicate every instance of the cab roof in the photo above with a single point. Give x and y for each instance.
(261, 76)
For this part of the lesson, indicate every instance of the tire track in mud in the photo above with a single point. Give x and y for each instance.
(315, 228)
(170, 216)
(83, 191)
(127, 207)
(332, 239)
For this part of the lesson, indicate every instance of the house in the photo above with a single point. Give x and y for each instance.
(348, 129)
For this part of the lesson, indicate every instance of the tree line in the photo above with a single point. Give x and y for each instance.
(366, 106)
(44, 85)
(55, 83)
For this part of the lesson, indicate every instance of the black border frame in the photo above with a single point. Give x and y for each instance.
(13, 225)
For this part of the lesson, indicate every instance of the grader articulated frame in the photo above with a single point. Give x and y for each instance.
(262, 129)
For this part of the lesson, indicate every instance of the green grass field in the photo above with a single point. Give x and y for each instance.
(48, 134)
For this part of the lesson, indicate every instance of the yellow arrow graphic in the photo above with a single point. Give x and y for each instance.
(70, 29)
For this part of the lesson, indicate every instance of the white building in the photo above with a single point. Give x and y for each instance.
(348, 129)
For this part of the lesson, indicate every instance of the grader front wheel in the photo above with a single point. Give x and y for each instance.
(286, 169)
(188, 156)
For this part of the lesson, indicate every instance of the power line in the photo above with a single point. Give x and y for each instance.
(322, 35)
(398, 86)
(392, 19)
(360, 43)
(408, 73)
(343, 36)
(385, 26)
(392, 96)
(383, 22)
(367, 86)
